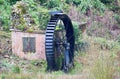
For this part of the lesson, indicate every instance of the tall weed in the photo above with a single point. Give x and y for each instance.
(103, 68)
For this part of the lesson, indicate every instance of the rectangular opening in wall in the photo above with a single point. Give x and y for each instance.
(29, 44)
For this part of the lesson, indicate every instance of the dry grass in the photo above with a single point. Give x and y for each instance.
(100, 63)
(97, 63)
(102, 69)
(40, 76)
(103, 66)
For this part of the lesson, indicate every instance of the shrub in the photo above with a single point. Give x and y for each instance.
(118, 39)
(117, 18)
(53, 3)
(77, 33)
(87, 4)
(13, 1)
(80, 44)
(43, 2)
(1, 1)
(76, 2)
(16, 69)
(107, 1)
(43, 18)
(32, 16)
(5, 10)
(68, 1)
(65, 7)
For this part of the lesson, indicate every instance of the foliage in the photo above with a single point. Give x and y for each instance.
(16, 69)
(5, 44)
(32, 12)
(35, 69)
(87, 4)
(117, 18)
(78, 68)
(77, 32)
(64, 7)
(113, 5)
(68, 1)
(50, 4)
(107, 1)
(36, 5)
(1, 1)
(18, 20)
(5, 14)
(43, 2)
(76, 2)
(80, 44)
(53, 3)
(105, 44)
(43, 18)
(40, 13)
(13, 1)
(118, 39)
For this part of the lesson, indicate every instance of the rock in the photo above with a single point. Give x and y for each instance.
(6, 56)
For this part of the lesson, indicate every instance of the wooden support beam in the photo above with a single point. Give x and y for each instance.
(82, 26)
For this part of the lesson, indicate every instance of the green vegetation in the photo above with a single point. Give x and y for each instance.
(100, 66)
(103, 69)
(97, 54)
(5, 12)
(39, 9)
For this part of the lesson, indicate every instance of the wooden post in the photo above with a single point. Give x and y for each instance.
(82, 27)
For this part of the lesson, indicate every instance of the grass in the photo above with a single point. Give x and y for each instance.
(103, 60)
(39, 76)
(33, 71)
(103, 69)
(97, 63)
(4, 34)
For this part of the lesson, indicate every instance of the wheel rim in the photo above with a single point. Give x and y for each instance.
(54, 41)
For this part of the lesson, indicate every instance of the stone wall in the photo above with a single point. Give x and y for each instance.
(17, 45)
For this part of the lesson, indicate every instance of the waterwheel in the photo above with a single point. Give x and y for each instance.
(59, 42)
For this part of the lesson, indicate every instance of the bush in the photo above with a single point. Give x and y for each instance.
(80, 44)
(43, 2)
(68, 1)
(13, 1)
(117, 18)
(1, 1)
(87, 4)
(16, 69)
(43, 18)
(5, 10)
(107, 1)
(118, 39)
(53, 3)
(77, 33)
(76, 2)
(65, 7)
(32, 16)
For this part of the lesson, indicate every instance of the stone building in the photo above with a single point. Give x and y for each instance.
(28, 45)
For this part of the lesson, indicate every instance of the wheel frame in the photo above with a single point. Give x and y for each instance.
(49, 42)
